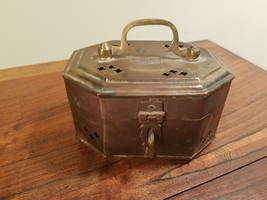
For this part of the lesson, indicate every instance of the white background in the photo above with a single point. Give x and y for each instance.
(34, 31)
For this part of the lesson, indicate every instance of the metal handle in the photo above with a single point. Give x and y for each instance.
(141, 22)
(191, 53)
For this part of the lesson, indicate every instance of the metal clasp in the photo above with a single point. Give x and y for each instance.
(150, 116)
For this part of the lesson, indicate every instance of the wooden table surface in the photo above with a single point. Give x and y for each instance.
(40, 158)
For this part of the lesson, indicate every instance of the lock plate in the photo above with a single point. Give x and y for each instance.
(151, 116)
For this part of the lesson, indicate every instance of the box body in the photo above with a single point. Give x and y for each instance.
(146, 116)
(111, 125)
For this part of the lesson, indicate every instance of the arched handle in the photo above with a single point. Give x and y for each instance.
(141, 22)
(191, 53)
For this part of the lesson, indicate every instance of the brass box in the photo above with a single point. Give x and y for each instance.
(146, 98)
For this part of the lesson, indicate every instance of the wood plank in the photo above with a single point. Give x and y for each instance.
(248, 182)
(41, 158)
(32, 70)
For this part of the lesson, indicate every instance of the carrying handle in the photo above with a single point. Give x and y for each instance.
(191, 53)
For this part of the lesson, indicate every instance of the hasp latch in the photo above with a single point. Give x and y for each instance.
(150, 116)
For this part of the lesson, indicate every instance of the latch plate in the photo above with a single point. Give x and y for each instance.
(151, 116)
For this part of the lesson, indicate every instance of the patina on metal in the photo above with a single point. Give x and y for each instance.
(146, 98)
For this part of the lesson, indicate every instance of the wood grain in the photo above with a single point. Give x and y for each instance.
(41, 159)
(247, 182)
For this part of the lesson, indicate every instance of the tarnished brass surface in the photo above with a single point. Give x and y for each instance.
(146, 98)
(147, 69)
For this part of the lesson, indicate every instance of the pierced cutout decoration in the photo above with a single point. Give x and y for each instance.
(85, 129)
(109, 67)
(184, 73)
(165, 74)
(96, 135)
(91, 136)
(202, 140)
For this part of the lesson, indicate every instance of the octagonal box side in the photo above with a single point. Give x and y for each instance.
(87, 117)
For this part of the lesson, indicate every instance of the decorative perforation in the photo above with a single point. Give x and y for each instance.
(91, 136)
(183, 73)
(202, 140)
(110, 67)
(101, 68)
(172, 72)
(165, 74)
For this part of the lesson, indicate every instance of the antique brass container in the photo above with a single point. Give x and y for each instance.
(146, 98)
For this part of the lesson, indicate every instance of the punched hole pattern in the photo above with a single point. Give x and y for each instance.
(165, 74)
(172, 71)
(96, 135)
(202, 140)
(184, 73)
(180, 45)
(110, 67)
(91, 136)
(101, 68)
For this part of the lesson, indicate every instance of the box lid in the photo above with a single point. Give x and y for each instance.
(147, 68)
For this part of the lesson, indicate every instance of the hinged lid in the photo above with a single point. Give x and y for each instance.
(147, 68)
